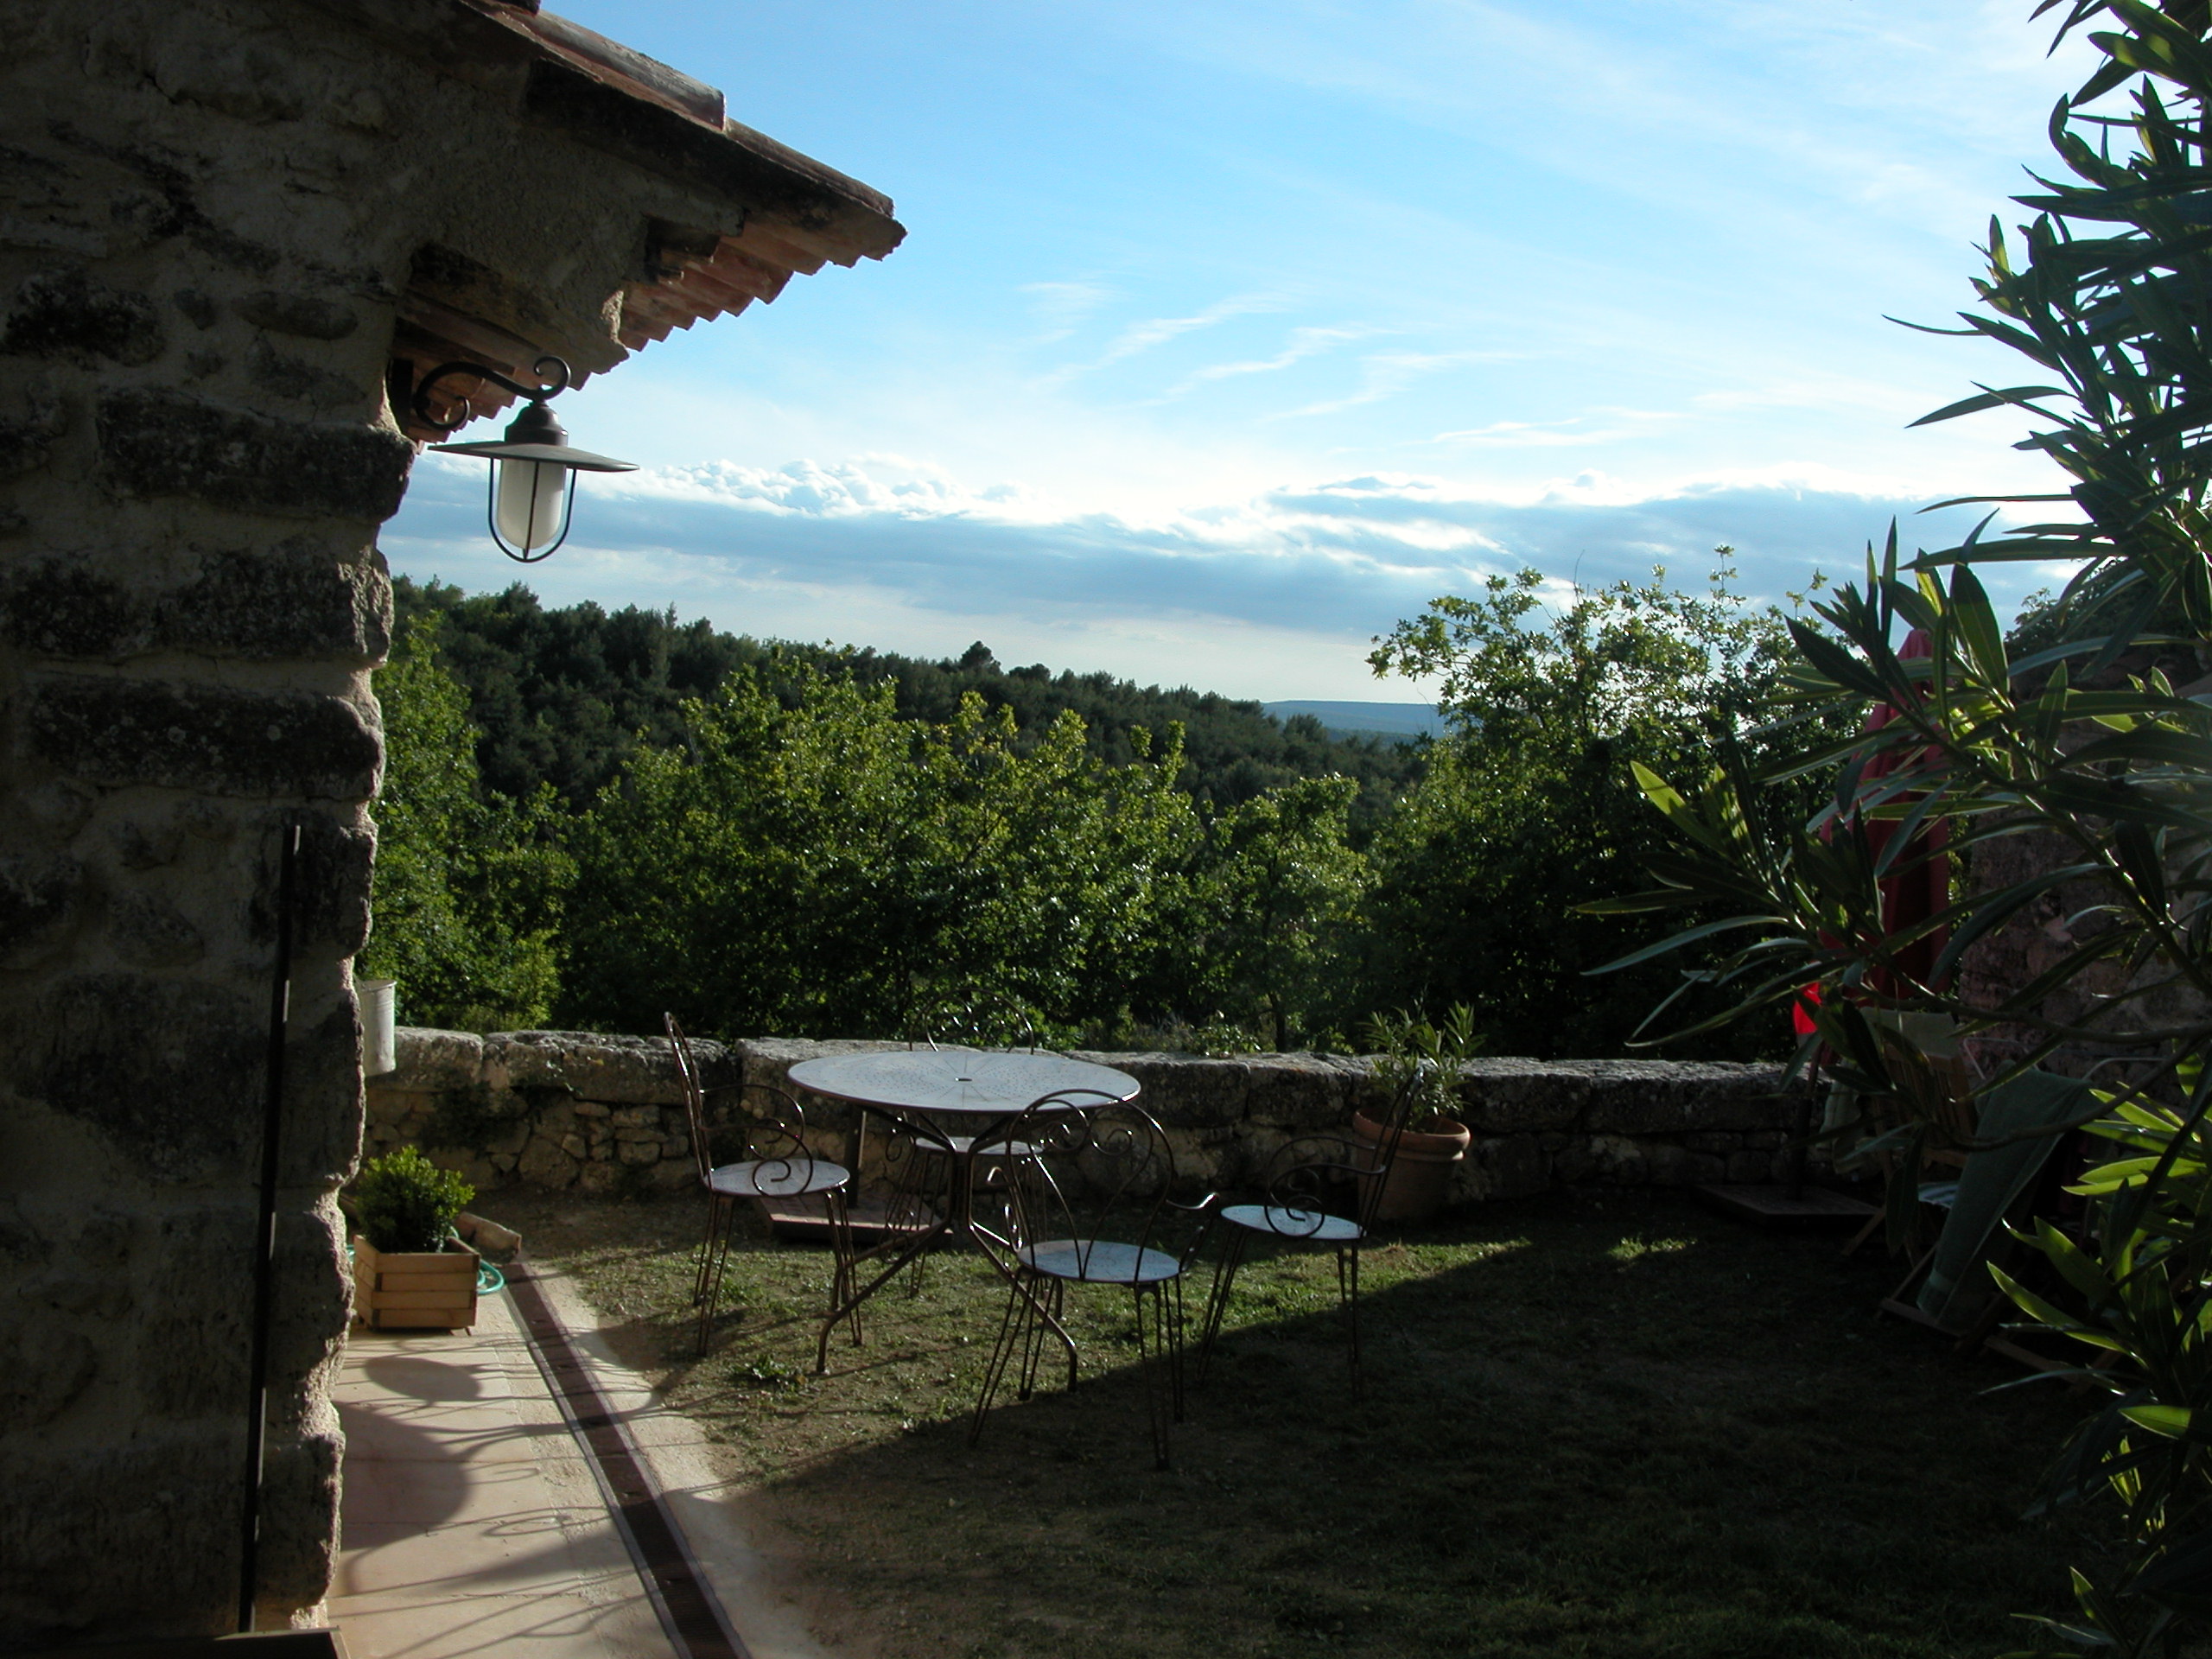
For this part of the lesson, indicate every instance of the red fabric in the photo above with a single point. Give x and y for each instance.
(1802, 1009)
(1908, 897)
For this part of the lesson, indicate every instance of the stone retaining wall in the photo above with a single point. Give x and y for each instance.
(605, 1113)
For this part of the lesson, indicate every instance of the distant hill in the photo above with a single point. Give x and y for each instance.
(1396, 721)
(561, 696)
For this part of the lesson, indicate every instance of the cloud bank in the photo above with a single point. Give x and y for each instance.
(1276, 596)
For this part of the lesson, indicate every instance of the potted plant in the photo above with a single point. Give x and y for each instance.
(1422, 1061)
(410, 1272)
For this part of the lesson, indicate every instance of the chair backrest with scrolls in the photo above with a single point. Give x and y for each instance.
(776, 1141)
(1374, 1163)
(775, 1138)
(1337, 1173)
(694, 1096)
(1081, 1168)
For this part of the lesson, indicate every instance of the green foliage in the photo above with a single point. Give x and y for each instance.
(1278, 891)
(847, 843)
(566, 697)
(1423, 1060)
(406, 1202)
(1526, 808)
(2073, 737)
(468, 885)
(829, 868)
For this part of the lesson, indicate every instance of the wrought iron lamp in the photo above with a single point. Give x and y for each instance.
(533, 482)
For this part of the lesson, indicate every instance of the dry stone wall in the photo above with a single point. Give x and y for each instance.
(601, 1113)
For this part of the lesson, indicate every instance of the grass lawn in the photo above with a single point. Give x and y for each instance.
(1591, 1427)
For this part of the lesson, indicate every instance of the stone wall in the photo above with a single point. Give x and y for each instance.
(231, 234)
(573, 1110)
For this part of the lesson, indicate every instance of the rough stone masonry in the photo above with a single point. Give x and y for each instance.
(583, 1110)
(233, 233)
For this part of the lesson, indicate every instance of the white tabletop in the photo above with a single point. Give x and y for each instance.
(986, 1082)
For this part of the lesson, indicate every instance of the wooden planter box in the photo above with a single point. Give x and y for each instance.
(418, 1291)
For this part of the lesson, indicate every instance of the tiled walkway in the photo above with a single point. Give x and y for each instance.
(473, 1524)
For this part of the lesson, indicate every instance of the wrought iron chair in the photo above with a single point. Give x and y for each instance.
(779, 1164)
(1321, 1192)
(1085, 1197)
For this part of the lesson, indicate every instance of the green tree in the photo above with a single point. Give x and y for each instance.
(822, 867)
(1280, 889)
(566, 695)
(468, 887)
(1527, 809)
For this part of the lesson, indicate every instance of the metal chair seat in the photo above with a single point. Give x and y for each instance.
(1285, 1221)
(1100, 1261)
(775, 1178)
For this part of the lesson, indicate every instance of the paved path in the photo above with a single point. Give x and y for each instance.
(473, 1524)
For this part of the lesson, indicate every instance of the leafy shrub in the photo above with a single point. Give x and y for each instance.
(407, 1203)
(1421, 1059)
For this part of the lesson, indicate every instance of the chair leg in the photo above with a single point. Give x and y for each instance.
(1347, 1290)
(714, 1202)
(934, 1175)
(1055, 1294)
(1225, 1276)
(717, 1248)
(1011, 1334)
(845, 1277)
(1150, 1363)
(1175, 1350)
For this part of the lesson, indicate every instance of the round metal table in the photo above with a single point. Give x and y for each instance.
(987, 1083)
(951, 1100)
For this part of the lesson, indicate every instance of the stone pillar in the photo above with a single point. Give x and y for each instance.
(196, 459)
(233, 233)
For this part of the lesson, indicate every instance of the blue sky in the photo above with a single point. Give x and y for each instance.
(1226, 333)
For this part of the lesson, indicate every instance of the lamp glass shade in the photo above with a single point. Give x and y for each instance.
(530, 501)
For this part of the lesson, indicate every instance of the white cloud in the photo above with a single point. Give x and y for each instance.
(1304, 343)
(1385, 374)
(1061, 307)
(1158, 331)
(1273, 596)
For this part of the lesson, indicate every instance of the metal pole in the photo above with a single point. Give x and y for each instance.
(264, 1258)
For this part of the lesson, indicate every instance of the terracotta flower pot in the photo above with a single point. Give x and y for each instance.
(1422, 1175)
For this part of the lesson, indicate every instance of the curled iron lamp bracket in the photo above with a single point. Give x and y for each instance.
(552, 372)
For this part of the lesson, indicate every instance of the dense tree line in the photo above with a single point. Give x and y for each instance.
(774, 838)
(564, 697)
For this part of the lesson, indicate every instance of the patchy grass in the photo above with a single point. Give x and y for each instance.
(1598, 1428)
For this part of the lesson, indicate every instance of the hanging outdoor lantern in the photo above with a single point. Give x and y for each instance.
(533, 483)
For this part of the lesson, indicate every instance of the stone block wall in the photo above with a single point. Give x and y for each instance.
(601, 1113)
(232, 235)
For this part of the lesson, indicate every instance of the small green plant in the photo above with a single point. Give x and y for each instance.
(1414, 1055)
(407, 1203)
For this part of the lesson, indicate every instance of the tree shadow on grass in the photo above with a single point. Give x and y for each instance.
(1611, 1428)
